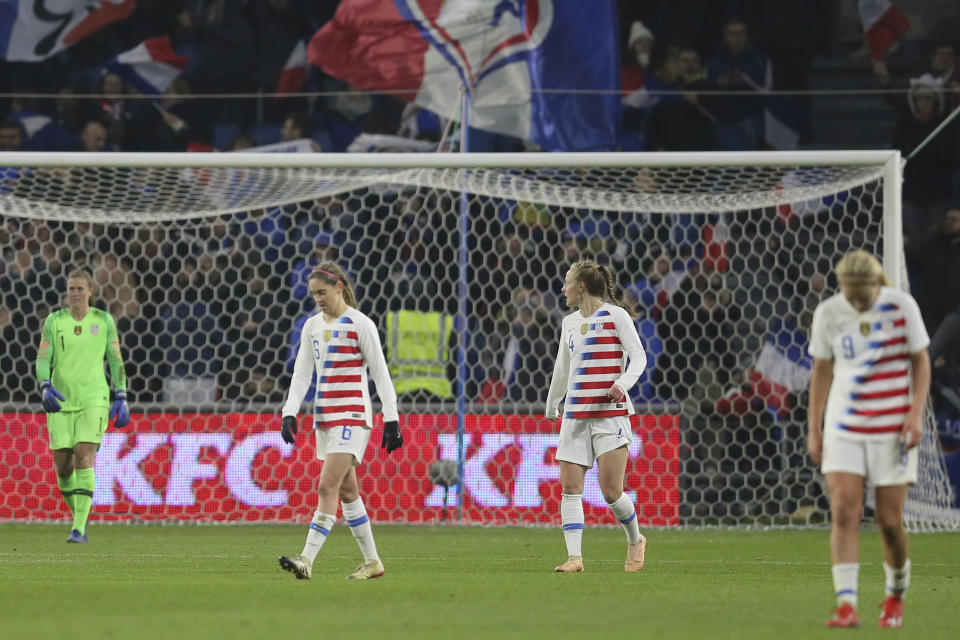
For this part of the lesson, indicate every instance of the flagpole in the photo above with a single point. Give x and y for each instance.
(461, 322)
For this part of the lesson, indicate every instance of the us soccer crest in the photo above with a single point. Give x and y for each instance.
(584, 328)
(77, 330)
(326, 335)
(94, 329)
(865, 328)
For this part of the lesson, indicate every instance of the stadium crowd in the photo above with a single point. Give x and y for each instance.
(215, 302)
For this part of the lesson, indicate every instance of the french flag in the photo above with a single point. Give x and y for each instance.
(293, 76)
(31, 31)
(150, 66)
(517, 58)
(883, 24)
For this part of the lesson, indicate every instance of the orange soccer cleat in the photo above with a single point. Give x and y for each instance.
(892, 616)
(844, 616)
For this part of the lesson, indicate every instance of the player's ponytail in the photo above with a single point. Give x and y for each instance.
(331, 273)
(861, 264)
(599, 282)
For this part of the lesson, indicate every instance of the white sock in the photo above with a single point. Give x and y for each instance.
(623, 508)
(320, 528)
(845, 576)
(356, 516)
(571, 516)
(898, 580)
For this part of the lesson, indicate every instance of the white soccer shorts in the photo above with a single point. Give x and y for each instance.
(880, 461)
(352, 439)
(583, 441)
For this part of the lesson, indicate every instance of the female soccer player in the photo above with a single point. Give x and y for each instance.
(871, 372)
(339, 343)
(75, 393)
(591, 370)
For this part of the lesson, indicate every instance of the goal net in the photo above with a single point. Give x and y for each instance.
(459, 259)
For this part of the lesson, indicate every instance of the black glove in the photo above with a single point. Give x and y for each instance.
(391, 436)
(288, 429)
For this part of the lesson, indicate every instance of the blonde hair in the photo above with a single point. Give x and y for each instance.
(598, 280)
(331, 273)
(860, 264)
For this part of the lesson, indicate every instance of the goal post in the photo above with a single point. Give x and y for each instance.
(202, 260)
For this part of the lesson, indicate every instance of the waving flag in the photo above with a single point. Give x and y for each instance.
(515, 56)
(883, 24)
(150, 66)
(293, 76)
(31, 30)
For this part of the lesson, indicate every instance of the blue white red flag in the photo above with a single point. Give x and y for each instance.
(293, 76)
(883, 25)
(150, 66)
(31, 30)
(518, 58)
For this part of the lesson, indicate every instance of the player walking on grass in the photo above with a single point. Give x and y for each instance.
(871, 372)
(591, 370)
(339, 343)
(75, 393)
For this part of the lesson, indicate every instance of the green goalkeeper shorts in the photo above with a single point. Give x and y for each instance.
(67, 428)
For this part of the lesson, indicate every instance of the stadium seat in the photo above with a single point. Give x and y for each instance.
(265, 133)
(223, 135)
(323, 139)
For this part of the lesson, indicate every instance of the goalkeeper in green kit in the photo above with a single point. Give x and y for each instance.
(75, 393)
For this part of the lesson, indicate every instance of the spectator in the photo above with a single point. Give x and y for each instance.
(739, 66)
(934, 263)
(12, 136)
(94, 137)
(637, 78)
(927, 189)
(945, 357)
(179, 124)
(120, 119)
(686, 123)
(296, 126)
(941, 67)
(221, 33)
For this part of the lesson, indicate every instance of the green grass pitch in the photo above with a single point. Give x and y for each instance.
(187, 582)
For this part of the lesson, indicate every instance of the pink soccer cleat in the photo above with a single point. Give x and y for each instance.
(844, 617)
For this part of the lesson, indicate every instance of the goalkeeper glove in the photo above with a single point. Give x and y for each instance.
(288, 429)
(391, 436)
(120, 410)
(50, 397)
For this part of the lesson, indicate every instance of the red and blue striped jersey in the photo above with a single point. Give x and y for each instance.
(341, 352)
(871, 390)
(593, 355)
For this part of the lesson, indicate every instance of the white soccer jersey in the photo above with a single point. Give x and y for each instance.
(593, 356)
(340, 352)
(871, 390)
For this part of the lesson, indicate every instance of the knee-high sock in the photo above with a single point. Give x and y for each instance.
(67, 486)
(845, 575)
(83, 498)
(571, 517)
(898, 580)
(356, 516)
(626, 513)
(319, 530)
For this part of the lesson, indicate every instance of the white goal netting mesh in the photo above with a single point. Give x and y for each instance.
(204, 269)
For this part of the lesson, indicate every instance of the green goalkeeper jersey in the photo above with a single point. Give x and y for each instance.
(77, 350)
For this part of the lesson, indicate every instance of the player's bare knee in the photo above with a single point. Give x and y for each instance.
(611, 494)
